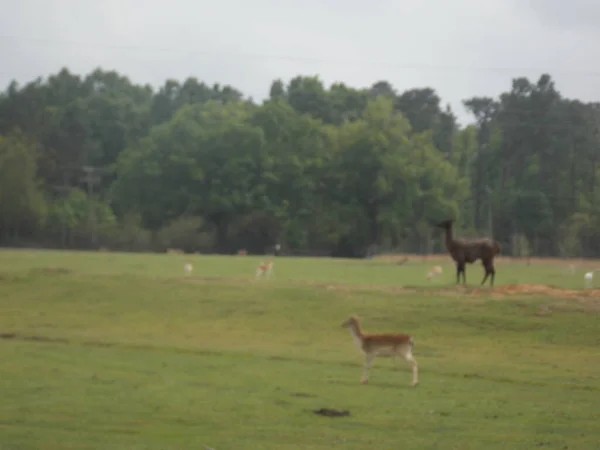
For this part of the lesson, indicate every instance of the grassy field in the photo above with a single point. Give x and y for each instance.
(122, 351)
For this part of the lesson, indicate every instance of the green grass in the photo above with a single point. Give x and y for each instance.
(112, 351)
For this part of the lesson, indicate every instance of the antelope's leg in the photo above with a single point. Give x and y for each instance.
(369, 358)
(410, 359)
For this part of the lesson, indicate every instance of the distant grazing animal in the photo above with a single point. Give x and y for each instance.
(588, 279)
(465, 251)
(264, 269)
(385, 345)
(434, 272)
(187, 268)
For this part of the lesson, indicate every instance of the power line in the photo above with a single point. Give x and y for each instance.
(553, 126)
(494, 119)
(395, 64)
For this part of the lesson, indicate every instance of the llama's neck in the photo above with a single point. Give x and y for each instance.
(448, 235)
(357, 335)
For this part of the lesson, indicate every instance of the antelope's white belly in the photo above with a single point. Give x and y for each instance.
(385, 351)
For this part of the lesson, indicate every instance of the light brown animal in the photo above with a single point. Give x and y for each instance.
(434, 272)
(264, 269)
(385, 345)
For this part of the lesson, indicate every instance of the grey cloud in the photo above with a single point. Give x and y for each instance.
(248, 44)
(576, 15)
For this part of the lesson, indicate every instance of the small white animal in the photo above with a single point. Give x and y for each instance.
(434, 272)
(264, 269)
(588, 278)
(187, 268)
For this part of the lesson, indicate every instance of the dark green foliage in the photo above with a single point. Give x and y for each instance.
(335, 170)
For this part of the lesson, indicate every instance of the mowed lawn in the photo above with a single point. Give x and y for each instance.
(118, 351)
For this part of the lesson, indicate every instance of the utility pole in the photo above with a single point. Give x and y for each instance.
(92, 177)
(63, 191)
(490, 213)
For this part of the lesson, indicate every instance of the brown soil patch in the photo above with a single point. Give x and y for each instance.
(589, 299)
(528, 289)
(50, 270)
(408, 257)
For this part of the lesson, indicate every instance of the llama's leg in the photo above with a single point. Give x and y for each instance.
(369, 358)
(485, 277)
(460, 268)
(464, 273)
(489, 271)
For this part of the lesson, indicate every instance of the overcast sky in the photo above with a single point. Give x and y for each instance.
(461, 48)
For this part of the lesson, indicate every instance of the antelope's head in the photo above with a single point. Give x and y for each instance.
(351, 322)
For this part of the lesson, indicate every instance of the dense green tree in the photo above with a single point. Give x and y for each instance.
(21, 200)
(339, 170)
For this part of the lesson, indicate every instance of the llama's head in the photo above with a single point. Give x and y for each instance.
(351, 322)
(497, 247)
(445, 224)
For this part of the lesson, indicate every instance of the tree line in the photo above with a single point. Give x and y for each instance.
(97, 160)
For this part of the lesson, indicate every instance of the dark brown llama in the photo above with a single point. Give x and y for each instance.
(465, 251)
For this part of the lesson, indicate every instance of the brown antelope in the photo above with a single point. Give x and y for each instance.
(264, 269)
(385, 345)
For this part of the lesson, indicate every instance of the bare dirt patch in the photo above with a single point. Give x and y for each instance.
(589, 299)
(402, 258)
(520, 289)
